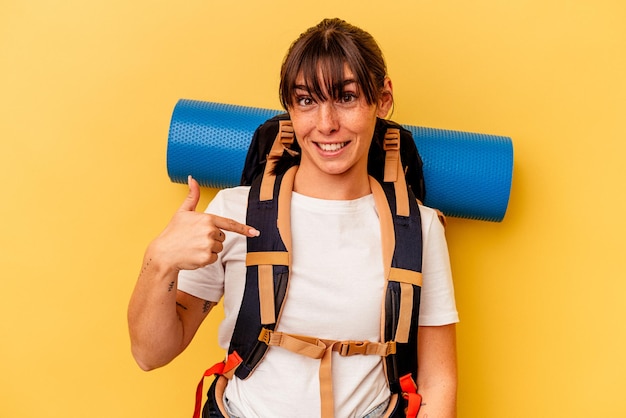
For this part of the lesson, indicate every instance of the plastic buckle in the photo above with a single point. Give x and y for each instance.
(350, 348)
(286, 132)
(392, 140)
(391, 348)
(265, 335)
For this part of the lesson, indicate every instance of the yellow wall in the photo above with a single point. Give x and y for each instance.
(86, 93)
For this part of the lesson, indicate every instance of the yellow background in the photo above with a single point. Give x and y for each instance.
(87, 90)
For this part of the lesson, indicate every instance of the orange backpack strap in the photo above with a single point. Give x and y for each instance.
(223, 368)
(216, 369)
(409, 393)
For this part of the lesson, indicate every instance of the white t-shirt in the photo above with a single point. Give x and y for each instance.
(335, 292)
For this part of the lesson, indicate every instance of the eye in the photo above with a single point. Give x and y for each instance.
(304, 100)
(348, 97)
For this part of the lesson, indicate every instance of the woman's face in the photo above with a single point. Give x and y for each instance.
(335, 134)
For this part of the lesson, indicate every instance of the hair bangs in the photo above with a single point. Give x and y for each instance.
(318, 60)
(324, 76)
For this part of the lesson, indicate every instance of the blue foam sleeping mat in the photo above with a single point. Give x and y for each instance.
(467, 175)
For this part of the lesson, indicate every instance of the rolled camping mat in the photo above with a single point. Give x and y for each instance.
(467, 175)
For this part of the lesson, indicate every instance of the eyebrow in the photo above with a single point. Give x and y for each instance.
(306, 88)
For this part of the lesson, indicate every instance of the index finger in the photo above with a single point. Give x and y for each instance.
(231, 225)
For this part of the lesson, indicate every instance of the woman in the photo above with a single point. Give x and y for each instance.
(334, 85)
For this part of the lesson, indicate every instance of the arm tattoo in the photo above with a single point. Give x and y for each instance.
(206, 307)
(145, 267)
(181, 305)
(170, 286)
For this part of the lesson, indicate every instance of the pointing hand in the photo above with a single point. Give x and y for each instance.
(193, 239)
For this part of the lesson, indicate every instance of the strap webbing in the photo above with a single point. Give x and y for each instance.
(406, 278)
(406, 313)
(317, 348)
(266, 294)
(265, 261)
(387, 236)
(409, 393)
(393, 170)
(402, 194)
(216, 369)
(278, 258)
(391, 145)
(224, 368)
(283, 141)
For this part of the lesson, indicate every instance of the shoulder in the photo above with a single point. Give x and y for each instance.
(233, 193)
(433, 228)
(231, 202)
(430, 219)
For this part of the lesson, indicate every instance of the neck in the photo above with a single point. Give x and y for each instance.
(346, 186)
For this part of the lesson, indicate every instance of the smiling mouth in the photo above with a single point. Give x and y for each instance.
(332, 147)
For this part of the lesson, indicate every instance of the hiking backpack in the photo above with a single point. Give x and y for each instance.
(269, 170)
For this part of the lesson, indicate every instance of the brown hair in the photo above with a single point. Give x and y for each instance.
(321, 53)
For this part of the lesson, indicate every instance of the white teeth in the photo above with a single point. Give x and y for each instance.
(332, 147)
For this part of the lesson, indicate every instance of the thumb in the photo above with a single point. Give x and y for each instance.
(191, 201)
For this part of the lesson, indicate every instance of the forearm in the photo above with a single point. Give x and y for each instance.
(438, 400)
(162, 320)
(156, 330)
(437, 371)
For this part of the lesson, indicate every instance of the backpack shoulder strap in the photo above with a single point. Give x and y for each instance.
(260, 146)
(412, 165)
(282, 143)
(268, 262)
(393, 170)
(402, 258)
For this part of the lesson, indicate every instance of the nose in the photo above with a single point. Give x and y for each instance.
(327, 120)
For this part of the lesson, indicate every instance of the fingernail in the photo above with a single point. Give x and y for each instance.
(254, 232)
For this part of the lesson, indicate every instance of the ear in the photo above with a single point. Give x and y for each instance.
(385, 103)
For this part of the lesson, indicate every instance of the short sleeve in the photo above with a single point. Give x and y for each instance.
(437, 304)
(208, 282)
